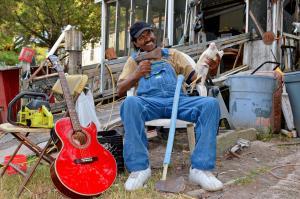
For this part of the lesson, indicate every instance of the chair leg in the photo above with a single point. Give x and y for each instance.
(191, 137)
(33, 147)
(33, 168)
(12, 157)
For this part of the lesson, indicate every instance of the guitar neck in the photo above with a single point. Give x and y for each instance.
(69, 101)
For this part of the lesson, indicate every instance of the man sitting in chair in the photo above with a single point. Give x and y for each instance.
(156, 85)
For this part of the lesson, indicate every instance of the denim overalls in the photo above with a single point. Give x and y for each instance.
(154, 101)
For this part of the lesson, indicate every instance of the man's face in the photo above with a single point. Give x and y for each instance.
(146, 41)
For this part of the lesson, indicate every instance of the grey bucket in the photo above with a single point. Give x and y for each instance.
(292, 83)
(250, 102)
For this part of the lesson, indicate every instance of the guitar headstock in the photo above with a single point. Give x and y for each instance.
(54, 60)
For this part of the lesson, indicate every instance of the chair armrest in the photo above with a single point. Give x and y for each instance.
(131, 92)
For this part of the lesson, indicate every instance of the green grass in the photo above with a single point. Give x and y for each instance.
(265, 137)
(250, 177)
(40, 186)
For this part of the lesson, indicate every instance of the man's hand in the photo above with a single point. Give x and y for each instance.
(143, 69)
(213, 64)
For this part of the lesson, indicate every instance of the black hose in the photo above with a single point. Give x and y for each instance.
(267, 62)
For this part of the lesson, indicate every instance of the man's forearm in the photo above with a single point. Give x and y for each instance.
(125, 85)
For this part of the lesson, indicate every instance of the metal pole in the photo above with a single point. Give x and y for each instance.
(147, 11)
(247, 16)
(126, 31)
(269, 16)
(130, 24)
(58, 41)
(185, 17)
(192, 32)
(274, 27)
(281, 29)
(170, 21)
(165, 24)
(102, 49)
(117, 26)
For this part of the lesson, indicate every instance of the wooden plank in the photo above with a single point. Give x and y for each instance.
(92, 66)
(45, 77)
(58, 107)
(194, 51)
(257, 24)
(217, 41)
(219, 81)
(291, 36)
(7, 127)
(287, 110)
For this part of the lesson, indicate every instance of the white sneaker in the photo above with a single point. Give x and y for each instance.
(205, 179)
(137, 179)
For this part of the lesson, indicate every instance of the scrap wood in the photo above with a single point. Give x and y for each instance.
(45, 76)
(238, 55)
(291, 36)
(257, 24)
(289, 134)
(218, 81)
(230, 155)
(235, 154)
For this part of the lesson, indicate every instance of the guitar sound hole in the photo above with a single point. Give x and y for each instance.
(79, 138)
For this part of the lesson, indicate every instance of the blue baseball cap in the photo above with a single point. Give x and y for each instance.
(138, 28)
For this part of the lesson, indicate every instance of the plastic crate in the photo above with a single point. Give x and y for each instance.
(113, 141)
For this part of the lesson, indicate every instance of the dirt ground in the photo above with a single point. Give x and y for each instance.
(254, 173)
(246, 176)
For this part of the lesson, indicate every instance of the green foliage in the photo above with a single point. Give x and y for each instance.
(10, 58)
(40, 54)
(265, 137)
(41, 21)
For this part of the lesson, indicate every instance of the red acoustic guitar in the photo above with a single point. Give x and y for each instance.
(83, 168)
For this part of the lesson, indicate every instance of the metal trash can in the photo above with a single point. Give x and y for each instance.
(250, 102)
(292, 83)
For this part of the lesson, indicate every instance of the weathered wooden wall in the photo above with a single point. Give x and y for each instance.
(255, 53)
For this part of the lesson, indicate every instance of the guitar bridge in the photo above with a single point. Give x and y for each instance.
(85, 160)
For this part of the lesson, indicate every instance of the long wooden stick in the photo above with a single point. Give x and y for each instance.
(261, 32)
(238, 55)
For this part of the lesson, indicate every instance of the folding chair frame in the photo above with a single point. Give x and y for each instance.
(40, 152)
